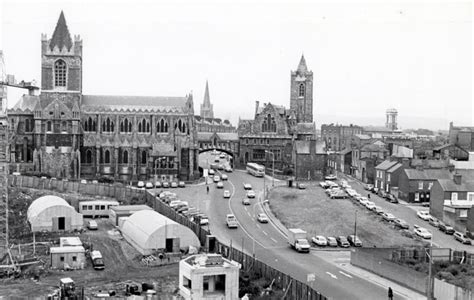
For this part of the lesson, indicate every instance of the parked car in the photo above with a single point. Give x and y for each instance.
(92, 225)
(301, 186)
(319, 240)
(378, 210)
(141, 184)
(323, 184)
(246, 201)
(423, 232)
(445, 228)
(217, 178)
(391, 198)
(370, 205)
(149, 185)
(157, 184)
(175, 203)
(165, 184)
(222, 155)
(220, 167)
(338, 195)
(251, 194)
(461, 237)
(211, 172)
(83, 181)
(228, 169)
(363, 200)
(181, 184)
(174, 184)
(220, 185)
(226, 194)
(424, 215)
(343, 242)
(401, 223)
(262, 218)
(332, 242)
(247, 186)
(388, 217)
(203, 219)
(331, 177)
(224, 177)
(375, 190)
(433, 222)
(354, 240)
(382, 193)
(369, 187)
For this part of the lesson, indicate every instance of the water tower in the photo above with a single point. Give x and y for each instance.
(391, 119)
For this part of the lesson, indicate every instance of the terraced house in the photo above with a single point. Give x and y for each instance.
(64, 133)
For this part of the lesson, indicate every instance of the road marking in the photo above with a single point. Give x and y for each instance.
(249, 214)
(274, 240)
(258, 226)
(332, 275)
(246, 208)
(347, 275)
(264, 232)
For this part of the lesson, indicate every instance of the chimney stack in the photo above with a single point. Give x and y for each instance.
(457, 178)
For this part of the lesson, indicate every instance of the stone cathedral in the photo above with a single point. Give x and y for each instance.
(66, 134)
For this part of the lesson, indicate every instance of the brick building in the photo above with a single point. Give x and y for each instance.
(339, 137)
(415, 185)
(365, 158)
(65, 133)
(310, 160)
(387, 175)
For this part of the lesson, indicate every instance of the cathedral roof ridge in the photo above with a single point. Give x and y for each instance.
(139, 102)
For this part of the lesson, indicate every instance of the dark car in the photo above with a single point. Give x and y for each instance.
(445, 228)
(391, 198)
(354, 240)
(343, 242)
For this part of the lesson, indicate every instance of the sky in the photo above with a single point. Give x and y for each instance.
(366, 56)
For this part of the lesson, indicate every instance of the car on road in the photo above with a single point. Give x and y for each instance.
(433, 222)
(331, 177)
(461, 237)
(203, 219)
(370, 205)
(363, 200)
(226, 194)
(375, 190)
(165, 184)
(301, 186)
(251, 194)
(141, 184)
(391, 198)
(378, 210)
(388, 217)
(157, 184)
(181, 184)
(211, 172)
(368, 187)
(220, 185)
(83, 181)
(220, 167)
(228, 169)
(231, 221)
(422, 232)
(224, 177)
(174, 184)
(262, 218)
(338, 195)
(342, 241)
(247, 186)
(354, 240)
(216, 178)
(401, 223)
(92, 225)
(351, 192)
(445, 228)
(175, 203)
(323, 184)
(332, 242)
(319, 240)
(149, 185)
(246, 201)
(424, 215)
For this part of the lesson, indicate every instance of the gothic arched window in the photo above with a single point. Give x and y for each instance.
(48, 126)
(301, 90)
(107, 157)
(88, 156)
(125, 157)
(269, 124)
(162, 126)
(144, 157)
(27, 125)
(60, 73)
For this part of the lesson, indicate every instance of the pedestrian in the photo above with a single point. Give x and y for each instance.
(207, 187)
(368, 196)
(390, 293)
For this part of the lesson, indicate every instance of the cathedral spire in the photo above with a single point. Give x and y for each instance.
(61, 36)
(302, 68)
(207, 100)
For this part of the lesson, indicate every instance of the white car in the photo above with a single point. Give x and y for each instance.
(220, 185)
(141, 184)
(330, 177)
(319, 240)
(363, 201)
(247, 186)
(262, 218)
(82, 181)
(92, 225)
(224, 177)
(370, 205)
(211, 172)
(250, 194)
(388, 217)
(423, 232)
(149, 185)
(217, 178)
(226, 194)
(424, 215)
(175, 203)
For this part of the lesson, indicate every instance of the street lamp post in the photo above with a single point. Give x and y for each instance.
(253, 239)
(355, 225)
(273, 166)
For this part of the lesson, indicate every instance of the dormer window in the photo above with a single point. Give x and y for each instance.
(301, 90)
(60, 73)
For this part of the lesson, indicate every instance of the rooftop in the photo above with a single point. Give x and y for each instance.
(209, 261)
(428, 174)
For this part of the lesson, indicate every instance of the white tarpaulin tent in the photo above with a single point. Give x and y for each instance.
(147, 231)
(52, 213)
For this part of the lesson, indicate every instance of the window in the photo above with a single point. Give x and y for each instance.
(301, 90)
(107, 157)
(180, 125)
(144, 157)
(143, 126)
(88, 157)
(89, 125)
(463, 213)
(162, 126)
(60, 72)
(97, 207)
(125, 157)
(27, 125)
(269, 124)
(102, 207)
(470, 197)
(187, 282)
(126, 126)
(388, 177)
(258, 154)
(61, 258)
(430, 185)
(84, 207)
(107, 126)
(454, 196)
(74, 258)
(49, 126)
(89, 207)
(420, 185)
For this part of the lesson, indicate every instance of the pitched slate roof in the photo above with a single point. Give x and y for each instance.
(385, 165)
(26, 102)
(428, 174)
(450, 185)
(305, 128)
(61, 36)
(394, 168)
(150, 103)
(278, 108)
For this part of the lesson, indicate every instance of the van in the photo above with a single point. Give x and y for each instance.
(97, 260)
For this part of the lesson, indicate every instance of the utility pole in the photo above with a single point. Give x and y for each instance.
(355, 225)
(430, 273)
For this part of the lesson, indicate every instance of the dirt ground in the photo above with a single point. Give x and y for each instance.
(122, 260)
(313, 211)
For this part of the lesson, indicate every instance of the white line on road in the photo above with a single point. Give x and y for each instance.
(249, 214)
(258, 226)
(332, 275)
(264, 232)
(347, 275)
(274, 240)
(246, 208)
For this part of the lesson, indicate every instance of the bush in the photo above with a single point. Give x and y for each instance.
(445, 276)
(453, 269)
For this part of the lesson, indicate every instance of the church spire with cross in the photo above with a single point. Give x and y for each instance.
(206, 106)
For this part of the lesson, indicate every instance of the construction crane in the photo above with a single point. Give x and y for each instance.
(4, 170)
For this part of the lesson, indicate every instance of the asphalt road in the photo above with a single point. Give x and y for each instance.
(408, 213)
(270, 245)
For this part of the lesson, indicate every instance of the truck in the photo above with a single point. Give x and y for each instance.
(297, 239)
(97, 260)
(231, 221)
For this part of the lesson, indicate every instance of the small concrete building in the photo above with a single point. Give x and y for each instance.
(208, 276)
(116, 212)
(148, 231)
(52, 213)
(69, 257)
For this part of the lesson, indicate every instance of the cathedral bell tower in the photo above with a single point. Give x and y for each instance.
(301, 93)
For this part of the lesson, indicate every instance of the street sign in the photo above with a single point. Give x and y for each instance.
(311, 277)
